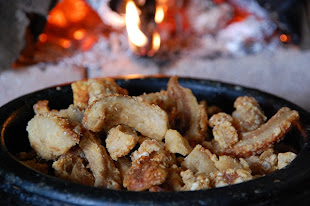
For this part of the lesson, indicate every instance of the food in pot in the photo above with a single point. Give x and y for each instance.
(162, 141)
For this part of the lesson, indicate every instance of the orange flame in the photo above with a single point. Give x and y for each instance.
(135, 35)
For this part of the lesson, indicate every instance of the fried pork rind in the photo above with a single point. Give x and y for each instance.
(120, 141)
(200, 160)
(100, 163)
(51, 136)
(41, 107)
(259, 140)
(226, 162)
(175, 143)
(285, 158)
(150, 165)
(123, 164)
(72, 166)
(162, 99)
(248, 115)
(229, 177)
(194, 182)
(73, 113)
(87, 91)
(149, 120)
(190, 118)
(223, 131)
(174, 180)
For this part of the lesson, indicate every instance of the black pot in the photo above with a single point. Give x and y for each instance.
(21, 185)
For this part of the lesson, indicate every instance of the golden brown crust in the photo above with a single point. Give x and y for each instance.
(175, 143)
(87, 91)
(120, 141)
(191, 118)
(51, 136)
(248, 115)
(149, 120)
(72, 167)
(259, 140)
(102, 166)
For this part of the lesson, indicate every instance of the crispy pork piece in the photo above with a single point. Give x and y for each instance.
(174, 180)
(98, 88)
(248, 115)
(148, 171)
(120, 141)
(191, 118)
(100, 163)
(200, 160)
(146, 148)
(73, 113)
(223, 131)
(285, 159)
(194, 182)
(226, 162)
(162, 99)
(87, 91)
(175, 143)
(72, 167)
(150, 165)
(123, 164)
(80, 93)
(41, 107)
(259, 140)
(149, 120)
(229, 177)
(51, 136)
(145, 173)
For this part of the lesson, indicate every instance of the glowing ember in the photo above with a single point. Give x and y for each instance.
(135, 35)
(79, 34)
(284, 38)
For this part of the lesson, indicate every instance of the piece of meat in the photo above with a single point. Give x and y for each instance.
(174, 180)
(123, 164)
(144, 173)
(41, 107)
(175, 143)
(223, 131)
(72, 167)
(191, 118)
(149, 120)
(194, 182)
(51, 136)
(200, 160)
(248, 115)
(229, 177)
(100, 163)
(87, 91)
(120, 141)
(259, 140)
(285, 159)
(150, 165)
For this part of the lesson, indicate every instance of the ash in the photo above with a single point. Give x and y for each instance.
(215, 31)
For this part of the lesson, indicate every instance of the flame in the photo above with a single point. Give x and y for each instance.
(156, 42)
(132, 19)
(159, 14)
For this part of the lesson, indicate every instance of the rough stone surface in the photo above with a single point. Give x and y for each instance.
(13, 25)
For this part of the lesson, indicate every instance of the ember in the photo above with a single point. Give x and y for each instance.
(158, 28)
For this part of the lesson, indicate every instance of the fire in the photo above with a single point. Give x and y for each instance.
(135, 35)
(140, 42)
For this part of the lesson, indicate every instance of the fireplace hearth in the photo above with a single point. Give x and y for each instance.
(274, 62)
